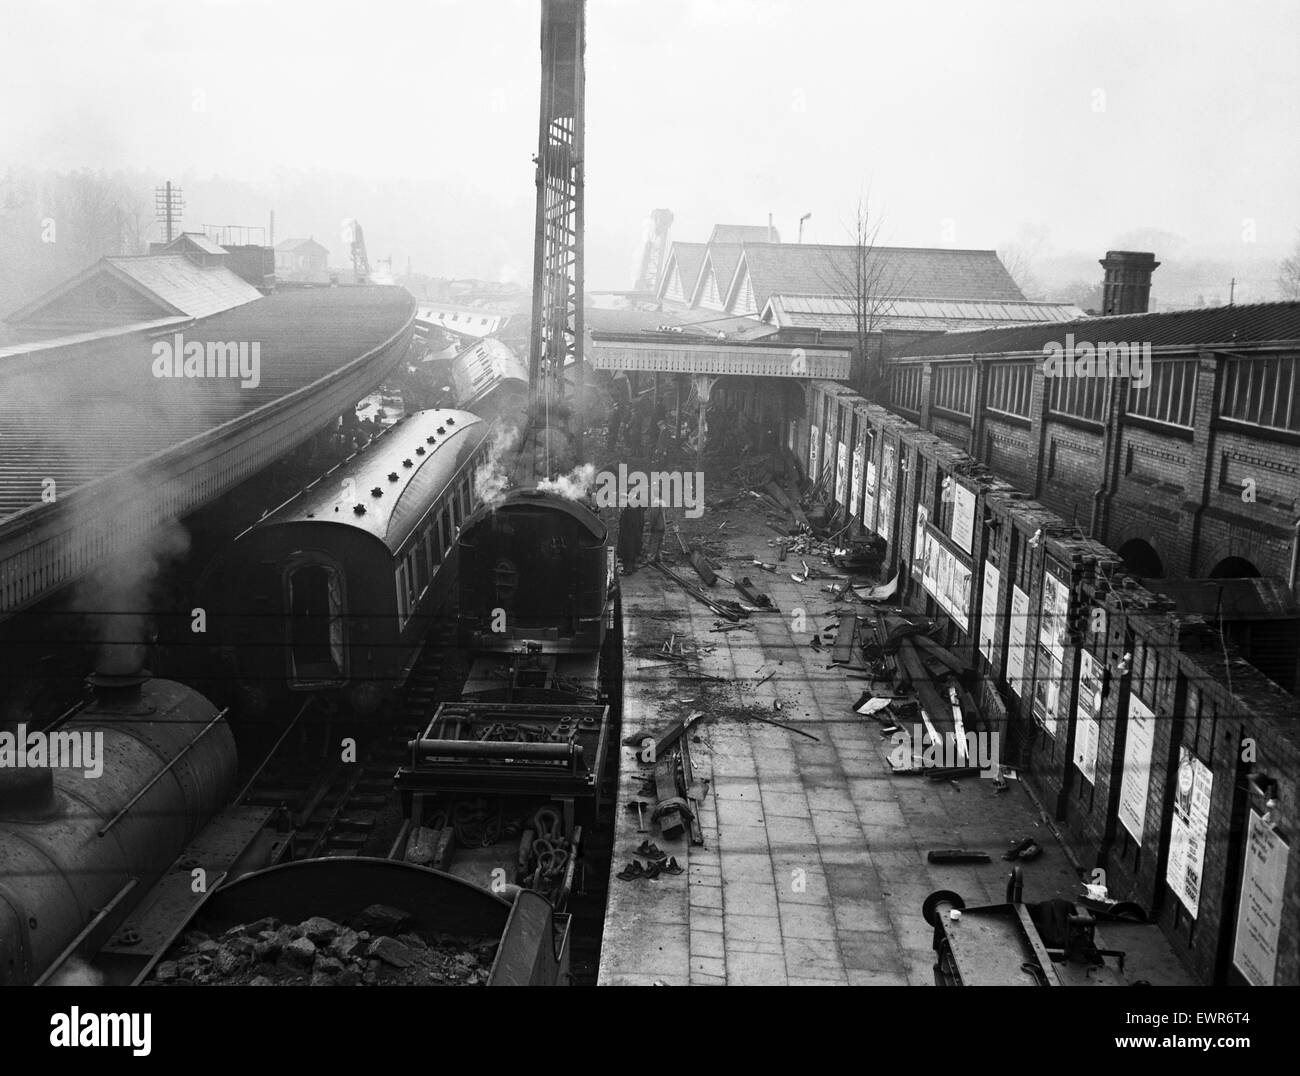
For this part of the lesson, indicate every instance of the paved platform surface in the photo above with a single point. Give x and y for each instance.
(813, 869)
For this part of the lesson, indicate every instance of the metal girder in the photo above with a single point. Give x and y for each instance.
(557, 325)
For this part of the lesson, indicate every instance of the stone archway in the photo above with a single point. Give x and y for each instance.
(1141, 559)
(1234, 568)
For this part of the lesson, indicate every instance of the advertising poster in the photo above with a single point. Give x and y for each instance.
(1087, 716)
(1259, 916)
(919, 547)
(855, 489)
(1017, 633)
(963, 517)
(1191, 823)
(885, 507)
(814, 447)
(841, 473)
(989, 601)
(1136, 778)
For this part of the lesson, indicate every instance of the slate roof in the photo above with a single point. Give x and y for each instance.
(175, 284)
(723, 257)
(835, 313)
(686, 258)
(743, 233)
(919, 272)
(1246, 323)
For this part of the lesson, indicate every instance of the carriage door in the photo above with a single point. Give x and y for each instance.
(315, 602)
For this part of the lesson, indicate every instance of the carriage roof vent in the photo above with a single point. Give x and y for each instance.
(450, 421)
(442, 429)
(392, 476)
(360, 509)
(429, 439)
(407, 462)
(376, 492)
(420, 451)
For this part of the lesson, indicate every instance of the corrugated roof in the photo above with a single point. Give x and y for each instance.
(691, 322)
(190, 289)
(743, 233)
(822, 269)
(1248, 323)
(835, 313)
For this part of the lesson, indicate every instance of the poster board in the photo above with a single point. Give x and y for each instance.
(1136, 777)
(1259, 912)
(1188, 829)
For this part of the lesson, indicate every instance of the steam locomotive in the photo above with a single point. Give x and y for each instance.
(334, 591)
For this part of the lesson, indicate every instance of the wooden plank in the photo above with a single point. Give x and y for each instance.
(845, 637)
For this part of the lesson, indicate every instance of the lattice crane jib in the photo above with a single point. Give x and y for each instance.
(557, 329)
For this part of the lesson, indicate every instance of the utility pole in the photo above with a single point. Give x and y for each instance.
(1232, 290)
(168, 205)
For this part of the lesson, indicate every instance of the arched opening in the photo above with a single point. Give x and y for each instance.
(1234, 568)
(1141, 559)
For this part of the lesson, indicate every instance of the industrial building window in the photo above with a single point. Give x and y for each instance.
(1262, 392)
(1171, 395)
(1011, 386)
(1082, 397)
(951, 388)
(906, 394)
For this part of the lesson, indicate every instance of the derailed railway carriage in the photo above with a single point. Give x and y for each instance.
(335, 590)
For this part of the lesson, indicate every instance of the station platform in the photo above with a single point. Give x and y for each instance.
(814, 864)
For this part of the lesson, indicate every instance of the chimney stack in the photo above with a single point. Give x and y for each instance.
(1126, 287)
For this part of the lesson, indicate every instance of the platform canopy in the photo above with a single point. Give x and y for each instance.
(662, 353)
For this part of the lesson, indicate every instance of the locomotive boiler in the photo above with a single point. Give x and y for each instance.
(79, 848)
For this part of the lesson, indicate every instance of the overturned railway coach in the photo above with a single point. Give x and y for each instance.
(335, 590)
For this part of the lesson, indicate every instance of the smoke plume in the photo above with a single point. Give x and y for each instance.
(574, 486)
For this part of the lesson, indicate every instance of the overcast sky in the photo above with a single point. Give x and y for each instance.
(968, 119)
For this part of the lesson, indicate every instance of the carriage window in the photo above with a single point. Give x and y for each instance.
(464, 496)
(403, 601)
(432, 548)
(315, 623)
(447, 534)
(436, 544)
(420, 564)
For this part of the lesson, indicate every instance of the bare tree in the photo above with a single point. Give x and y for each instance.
(1288, 274)
(1020, 256)
(869, 278)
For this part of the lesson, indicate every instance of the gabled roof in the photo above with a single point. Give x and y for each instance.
(682, 269)
(1245, 324)
(836, 313)
(294, 244)
(824, 269)
(720, 265)
(170, 283)
(196, 240)
(743, 233)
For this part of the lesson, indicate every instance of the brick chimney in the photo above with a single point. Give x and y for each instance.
(1126, 287)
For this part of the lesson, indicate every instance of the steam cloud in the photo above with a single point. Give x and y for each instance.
(491, 480)
(574, 486)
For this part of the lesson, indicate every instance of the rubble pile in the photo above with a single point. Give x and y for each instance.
(378, 949)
